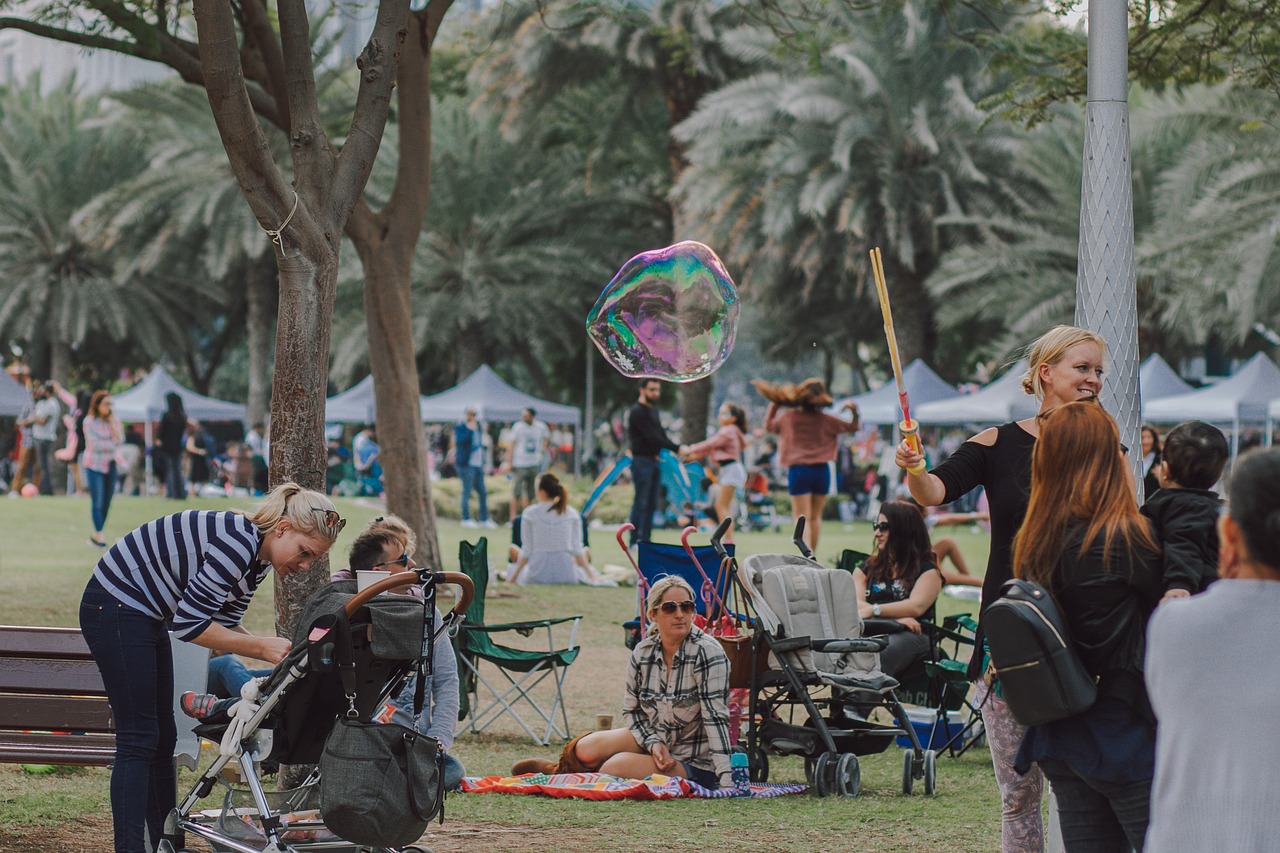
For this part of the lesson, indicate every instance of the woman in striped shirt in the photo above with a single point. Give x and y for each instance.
(194, 573)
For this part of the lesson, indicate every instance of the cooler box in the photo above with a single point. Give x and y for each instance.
(923, 720)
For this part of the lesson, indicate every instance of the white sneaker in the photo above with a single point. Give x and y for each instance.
(489, 523)
(466, 522)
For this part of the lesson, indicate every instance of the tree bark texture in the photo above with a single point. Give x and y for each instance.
(385, 241)
(305, 220)
(261, 290)
(695, 401)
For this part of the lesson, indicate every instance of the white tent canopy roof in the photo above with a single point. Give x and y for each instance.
(999, 402)
(1158, 380)
(145, 402)
(14, 399)
(1242, 397)
(881, 405)
(494, 400)
(356, 405)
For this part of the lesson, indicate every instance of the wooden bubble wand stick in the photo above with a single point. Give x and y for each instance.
(908, 427)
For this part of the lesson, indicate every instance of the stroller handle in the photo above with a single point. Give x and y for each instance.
(409, 579)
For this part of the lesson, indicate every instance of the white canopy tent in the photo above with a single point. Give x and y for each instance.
(494, 400)
(881, 405)
(356, 405)
(999, 402)
(145, 403)
(1157, 380)
(1242, 398)
(14, 399)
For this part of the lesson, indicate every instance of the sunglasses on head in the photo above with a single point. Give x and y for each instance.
(333, 523)
(670, 607)
(880, 527)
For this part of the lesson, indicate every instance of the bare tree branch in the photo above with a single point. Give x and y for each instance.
(377, 65)
(313, 157)
(259, 31)
(72, 37)
(265, 189)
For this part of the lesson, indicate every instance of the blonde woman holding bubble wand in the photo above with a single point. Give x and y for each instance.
(1065, 366)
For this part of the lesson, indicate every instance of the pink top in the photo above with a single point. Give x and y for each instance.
(725, 446)
(101, 438)
(806, 436)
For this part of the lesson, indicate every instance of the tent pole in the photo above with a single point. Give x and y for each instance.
(1267, 438)
(1235, 439)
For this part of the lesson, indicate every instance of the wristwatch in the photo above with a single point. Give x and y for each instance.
(875, 610)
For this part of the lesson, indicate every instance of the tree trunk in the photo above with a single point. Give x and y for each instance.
(308, 286)
(260, 312)
(60, 361)
(389, 315)
(913, 319)
(385, 242)
(470, 353)
(695, 401)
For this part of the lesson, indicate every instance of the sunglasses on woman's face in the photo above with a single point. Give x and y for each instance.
(402, 560)
(880, 527)
(670, 607)
(333, 523)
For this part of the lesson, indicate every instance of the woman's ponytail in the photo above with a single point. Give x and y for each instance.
(550, 485)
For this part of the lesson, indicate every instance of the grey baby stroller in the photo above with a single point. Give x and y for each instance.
(353, 650)
(816, 678)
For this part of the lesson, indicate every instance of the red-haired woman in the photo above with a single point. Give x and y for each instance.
(1085, 540)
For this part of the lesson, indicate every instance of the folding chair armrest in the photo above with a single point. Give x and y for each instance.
(942, 633)
(525, 628)
(882, 626)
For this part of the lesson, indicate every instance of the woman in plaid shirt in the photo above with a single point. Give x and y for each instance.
(676, 705)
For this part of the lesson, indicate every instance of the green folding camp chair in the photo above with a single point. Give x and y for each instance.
(523, 669)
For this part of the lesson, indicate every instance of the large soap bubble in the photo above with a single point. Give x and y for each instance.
(669, 313)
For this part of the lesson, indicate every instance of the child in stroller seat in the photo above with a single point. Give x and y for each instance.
(898, 586)
(385, 544)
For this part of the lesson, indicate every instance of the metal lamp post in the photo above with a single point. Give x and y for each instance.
(1106, 278)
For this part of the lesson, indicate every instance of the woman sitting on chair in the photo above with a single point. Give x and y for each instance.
(676, 705)
(899, 584)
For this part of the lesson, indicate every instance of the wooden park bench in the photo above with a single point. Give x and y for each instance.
(53, 706)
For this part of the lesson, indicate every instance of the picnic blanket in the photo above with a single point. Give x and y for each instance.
(598, 786)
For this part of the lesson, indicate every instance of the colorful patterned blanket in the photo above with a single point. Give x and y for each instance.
(598, 786)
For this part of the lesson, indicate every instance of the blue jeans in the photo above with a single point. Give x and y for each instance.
(175, 487)
(473, 478)
(453, 772)
(134, 656)
(645, 475)
(1098, 816)
(227, 674)
(101, 487)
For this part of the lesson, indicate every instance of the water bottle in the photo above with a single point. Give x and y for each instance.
(741, 774)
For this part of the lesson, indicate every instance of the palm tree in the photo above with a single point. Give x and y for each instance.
(59, 289)
(511, 256)
(1213, 246)
(809, 163)
(184, 221)
(672, 51)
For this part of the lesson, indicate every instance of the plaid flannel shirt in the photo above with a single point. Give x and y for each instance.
(686, 707)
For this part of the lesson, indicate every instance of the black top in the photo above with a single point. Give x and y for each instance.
(1004, 470)
(172, 430)
(1186, 526)
(646, 432)
(1106, 607)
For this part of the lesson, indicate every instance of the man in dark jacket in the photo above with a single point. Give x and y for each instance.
(647, 437)
(1184, 512)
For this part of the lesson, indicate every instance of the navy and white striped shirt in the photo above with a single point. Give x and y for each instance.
(192, 567)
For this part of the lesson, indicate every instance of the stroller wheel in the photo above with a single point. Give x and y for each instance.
(825, 779)
(848, 775)
(908, 766)
(930, 772)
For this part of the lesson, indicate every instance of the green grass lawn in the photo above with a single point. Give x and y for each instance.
(45, 561)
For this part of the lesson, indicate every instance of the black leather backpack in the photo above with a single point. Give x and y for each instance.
(1041, 676)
